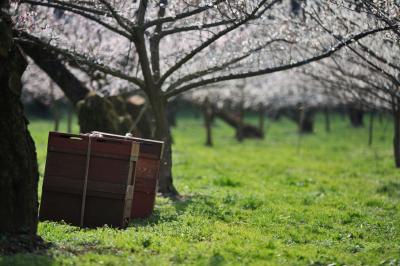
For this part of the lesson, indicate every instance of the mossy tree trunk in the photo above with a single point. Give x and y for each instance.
(18, 163)
(108, 115)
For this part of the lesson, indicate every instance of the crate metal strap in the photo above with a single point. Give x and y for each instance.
(89, 149)
(135, 147)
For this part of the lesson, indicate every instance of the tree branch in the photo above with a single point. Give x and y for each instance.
(73, 9)
(123, 22)
(326, 54)
(23, 37)
(223, 66)
(212, 40)
(191, 28)
(182, 15)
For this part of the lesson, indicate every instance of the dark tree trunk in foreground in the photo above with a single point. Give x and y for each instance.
(18, 163)
(356, 116)
(208, 113)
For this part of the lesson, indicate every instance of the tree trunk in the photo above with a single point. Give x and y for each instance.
(371, 128)
(208, 113)
(356, 116)
(396, 138)
(18, 163)
(306, 126)
(380, 117)
(249, 131)
(240, 128)
(163, 133)
(261, 119)
(306, 121)
(54, 108)
(327, 120)
(56, 116)
(97, 113)
(172, 109)
(70, 114)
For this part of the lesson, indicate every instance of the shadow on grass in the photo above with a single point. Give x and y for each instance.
(24, 250)
(391, 189)
(205, 206)
(179, 204)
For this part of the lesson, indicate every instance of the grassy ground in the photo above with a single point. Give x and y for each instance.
(324, 199)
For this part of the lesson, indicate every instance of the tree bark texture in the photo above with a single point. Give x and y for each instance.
(163, 133)
(18, 163)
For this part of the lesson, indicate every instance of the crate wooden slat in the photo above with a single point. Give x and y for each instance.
(110, 175)
(147, 174)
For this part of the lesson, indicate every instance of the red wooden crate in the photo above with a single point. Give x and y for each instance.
(89, 180)
(147, 173)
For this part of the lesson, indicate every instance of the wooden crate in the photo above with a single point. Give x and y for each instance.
(89, 180)
(147, 174)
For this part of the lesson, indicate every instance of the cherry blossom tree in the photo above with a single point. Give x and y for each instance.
(167, 48)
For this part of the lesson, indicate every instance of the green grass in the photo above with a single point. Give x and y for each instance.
(323, 199)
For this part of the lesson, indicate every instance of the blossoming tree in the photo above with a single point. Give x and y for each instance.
(167, 48)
